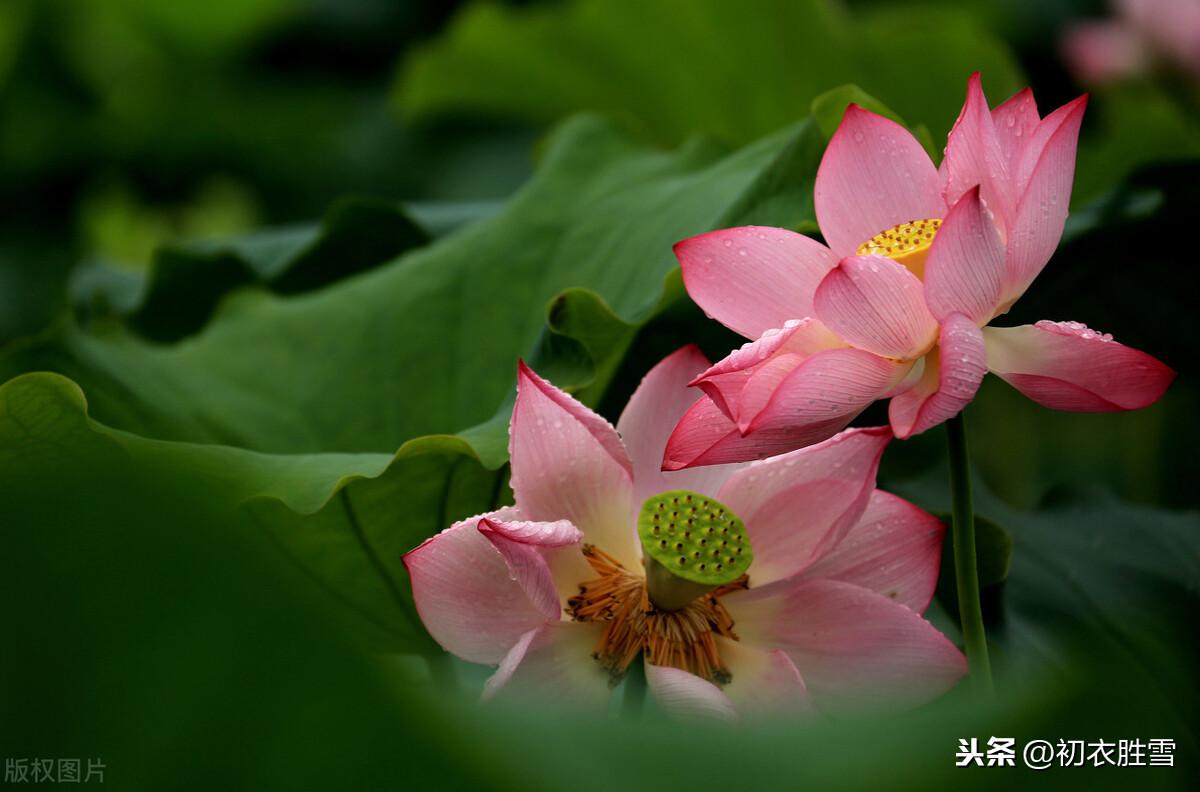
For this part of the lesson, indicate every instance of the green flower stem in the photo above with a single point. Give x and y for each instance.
(634, 702)
(966, 571)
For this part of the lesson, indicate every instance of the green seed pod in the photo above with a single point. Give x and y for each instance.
(694, 538)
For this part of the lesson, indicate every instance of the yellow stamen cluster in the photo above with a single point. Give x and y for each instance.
(907, 243)
(683, 638)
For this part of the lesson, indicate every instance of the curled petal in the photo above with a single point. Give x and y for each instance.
(724, 381)
(975, 158)
(829, 484)
(856, 649)
(569, 463)
(824, 393)
(965, 268)
(535, 534)
(877, 305)
(1041, 211)
(526, 549)
(705, 436)
(553, 664)
(953, 372)
(761, 387)
(466, 596)
(753, 278)
(874, 175)
(894, 549)
(1067, 366)
(653, 411)
(686, 697)
(812, 403)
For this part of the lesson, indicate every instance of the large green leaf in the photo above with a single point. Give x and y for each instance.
(667, 69)
(329, 419)
(429, 343)
(154, 635)
(185, 280)
(348, 535)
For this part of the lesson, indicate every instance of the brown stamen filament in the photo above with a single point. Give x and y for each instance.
(684, 638)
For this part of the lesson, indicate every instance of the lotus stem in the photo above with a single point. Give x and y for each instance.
(966, 571)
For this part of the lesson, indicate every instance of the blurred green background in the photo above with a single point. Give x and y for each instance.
(249, 249)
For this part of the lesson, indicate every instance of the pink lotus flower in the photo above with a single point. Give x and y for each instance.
(918, 261)
(1143, 31)
(554, 590)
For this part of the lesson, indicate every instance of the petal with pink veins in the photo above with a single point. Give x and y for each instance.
(1015, 121)
(760, 387)
(465, 595)
(753, 278)
(975, 157)
(763, 682)
(526, 547)
(953, 371)
(724, 381)
(856, 649)
(894, 549)
(569, 463)
(1067, 366)
(1041, 211)
(705, 436)
(799, 505)
(812, 403)
(535, 534)
(686, 697)
(874, 175)
(821, 396)
(553, 664)
(1035, 145)
(877, 305)
(652, 412)
(965, 268)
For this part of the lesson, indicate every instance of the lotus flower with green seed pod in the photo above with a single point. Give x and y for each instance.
(790, 584)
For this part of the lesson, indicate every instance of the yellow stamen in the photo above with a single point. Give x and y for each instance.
(907, 243)
(683, 638)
